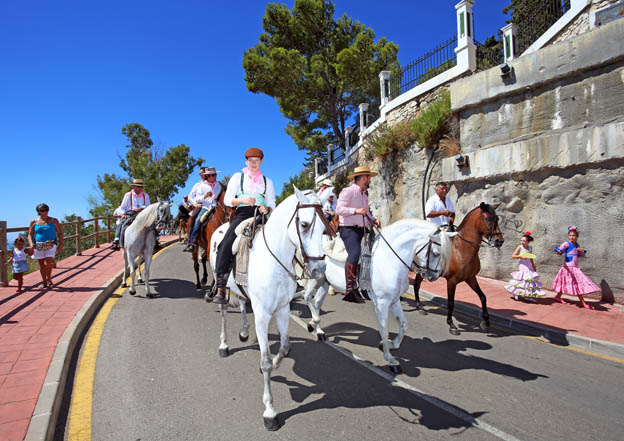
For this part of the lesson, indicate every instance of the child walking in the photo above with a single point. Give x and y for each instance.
(525, 282)
(570, 279)
(20, 266)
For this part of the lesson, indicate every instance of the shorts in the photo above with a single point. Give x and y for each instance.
(40, 254)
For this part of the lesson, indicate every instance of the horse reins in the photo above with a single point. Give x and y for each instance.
(490, 235)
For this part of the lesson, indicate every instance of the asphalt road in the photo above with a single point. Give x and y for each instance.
(159, 377)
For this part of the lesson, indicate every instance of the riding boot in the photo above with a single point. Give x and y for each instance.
(221, 296)
(352, 293)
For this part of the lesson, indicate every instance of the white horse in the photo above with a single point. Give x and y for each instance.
(413, 240)
(296, 223)
(139, 241)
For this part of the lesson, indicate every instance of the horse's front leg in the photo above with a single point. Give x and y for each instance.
(315, 302)
(282, 319)
(204, 279)
(484, 324)
(224, 350)
(450, 304)
(148, 263)
(132, 263)
(397, 310)
(243, 335)
(271, 421)
(381, 308)
(196, 268)
(126, 273)
(417, 281)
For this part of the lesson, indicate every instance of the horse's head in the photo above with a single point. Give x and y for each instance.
(433, 257)
(306, 231)
(163, 215)
(489, 227)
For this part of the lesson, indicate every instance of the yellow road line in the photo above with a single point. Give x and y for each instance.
(530, 337)
(79, 427)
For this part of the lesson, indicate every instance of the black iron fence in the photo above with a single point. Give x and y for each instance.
(424, 68)
(336, 154)
(535, 18)
(489, 54)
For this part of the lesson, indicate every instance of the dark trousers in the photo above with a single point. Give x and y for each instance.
(224, 252)
(352, 238)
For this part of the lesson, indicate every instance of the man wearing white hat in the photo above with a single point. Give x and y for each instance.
(133, 202)
(203, 195)
(355, 219)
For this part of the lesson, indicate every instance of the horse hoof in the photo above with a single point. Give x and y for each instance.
(454, 331)
(396, 369)
(141, 281)
(321, 337)
(124, 285)
(204, 281)
(149, 296)
(242, 337)
(198, 286)
(310, 328)
(224, 352)
(422, 311)
(272, 424)
(484, 326)
(132, 292)
(380, 346)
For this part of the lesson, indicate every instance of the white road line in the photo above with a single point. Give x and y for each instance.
(475, 422)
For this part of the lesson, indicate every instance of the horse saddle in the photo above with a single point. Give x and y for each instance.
(130, 216)
(245, 233)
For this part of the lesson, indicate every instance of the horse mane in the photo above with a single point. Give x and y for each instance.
(488, 208)
(146, 217)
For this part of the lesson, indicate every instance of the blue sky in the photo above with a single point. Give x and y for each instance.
(73, 73)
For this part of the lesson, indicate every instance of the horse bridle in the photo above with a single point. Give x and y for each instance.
(490, 234)
(159, 219)
(318, 209)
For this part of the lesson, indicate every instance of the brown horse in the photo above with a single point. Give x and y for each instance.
(465, 264)
(220, 216)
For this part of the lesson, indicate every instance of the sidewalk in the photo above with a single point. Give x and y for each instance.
(600, 331)
(38, 328)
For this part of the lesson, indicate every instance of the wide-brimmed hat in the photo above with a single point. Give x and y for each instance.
(254, 152)
(360, 171)
(137, 182)
(326, 182)
(208, 171)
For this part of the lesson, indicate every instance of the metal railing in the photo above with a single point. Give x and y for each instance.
(108, 220)
(489, 56)
(336, 154)
(534, 22)
(424, 68)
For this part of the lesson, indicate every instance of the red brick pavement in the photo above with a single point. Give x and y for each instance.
(605, 323)
(31, 324)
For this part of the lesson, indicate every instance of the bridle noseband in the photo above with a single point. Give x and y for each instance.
(491, 233)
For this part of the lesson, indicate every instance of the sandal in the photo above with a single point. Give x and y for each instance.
(560, 300)
(585, 305)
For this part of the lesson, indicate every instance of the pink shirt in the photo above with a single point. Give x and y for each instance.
(351, 198)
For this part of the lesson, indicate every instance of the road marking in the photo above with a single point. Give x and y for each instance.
(530, 337)
(80, 412)
(474, 422)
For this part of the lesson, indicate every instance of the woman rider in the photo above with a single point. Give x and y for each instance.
(246, 191)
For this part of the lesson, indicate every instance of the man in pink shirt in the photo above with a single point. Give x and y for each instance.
(355, 218)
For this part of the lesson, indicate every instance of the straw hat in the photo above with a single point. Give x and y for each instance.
(360, 171)
(326, 182)
(208, 171)
(137, 182)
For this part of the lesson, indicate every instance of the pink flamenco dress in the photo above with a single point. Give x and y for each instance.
(525, 282)
(570, 279)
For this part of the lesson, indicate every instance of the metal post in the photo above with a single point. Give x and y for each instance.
(4, 275)
(97, 230)
(78, 240)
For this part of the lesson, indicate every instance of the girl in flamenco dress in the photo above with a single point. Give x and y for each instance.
(570, 279)
(525, 282)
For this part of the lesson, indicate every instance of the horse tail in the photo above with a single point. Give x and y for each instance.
(446, 248)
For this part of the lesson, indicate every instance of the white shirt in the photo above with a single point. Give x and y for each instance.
(118, 212)
(435, 204)
(196, 196)
(234, 188)
(132, 201)
(330, 206)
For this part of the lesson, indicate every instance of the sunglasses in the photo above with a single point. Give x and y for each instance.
(42, 211)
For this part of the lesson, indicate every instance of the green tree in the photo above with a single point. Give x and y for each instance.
(164, 171)
(303, 181)
(490, 53)
(319, 69)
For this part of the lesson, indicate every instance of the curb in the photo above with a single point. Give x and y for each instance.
(554, 336)
(43, 421)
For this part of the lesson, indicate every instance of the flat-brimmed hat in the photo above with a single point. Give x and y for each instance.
(137, 182)
(254, 152)
(208, 171)
(326, 182)
(360, 171)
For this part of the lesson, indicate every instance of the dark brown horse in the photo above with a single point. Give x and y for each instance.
(465, 264)
(220, 216)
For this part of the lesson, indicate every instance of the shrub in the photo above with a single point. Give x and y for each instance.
(429, 126)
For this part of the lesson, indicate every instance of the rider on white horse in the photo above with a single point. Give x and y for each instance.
(246, 191)
(133, 202)
(203, 195)
(355, 220)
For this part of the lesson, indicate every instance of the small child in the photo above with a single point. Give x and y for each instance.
(20, 266)
(570, 279)
(525, 282)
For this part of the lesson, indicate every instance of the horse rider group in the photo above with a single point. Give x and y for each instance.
(204, 196)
